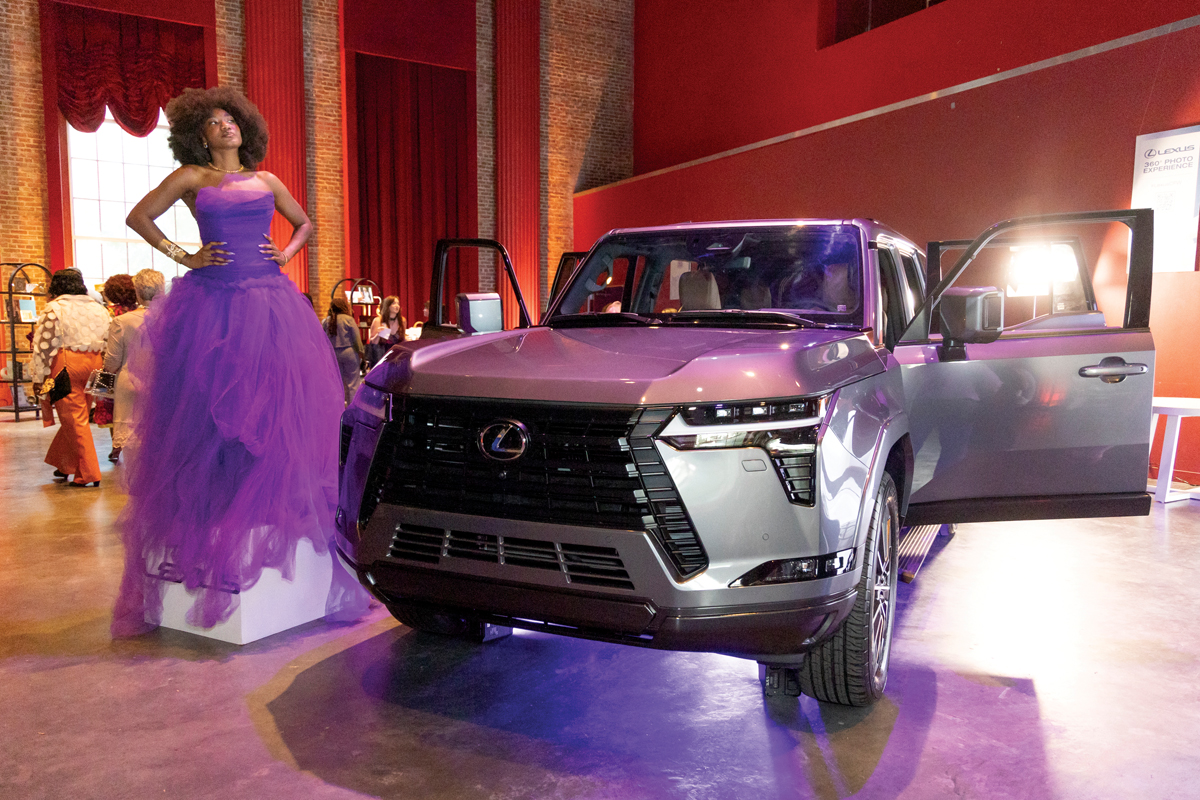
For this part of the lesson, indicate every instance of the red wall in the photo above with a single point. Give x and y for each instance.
(440, 33)
(1058, 139)
(710, 75)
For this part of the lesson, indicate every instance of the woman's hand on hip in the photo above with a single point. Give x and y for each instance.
(207, 256)
(271, 252)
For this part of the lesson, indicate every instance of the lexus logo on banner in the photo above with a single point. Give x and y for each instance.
(1166, 178)
(504, 440)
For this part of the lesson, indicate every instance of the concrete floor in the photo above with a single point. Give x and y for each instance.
(1032, 660)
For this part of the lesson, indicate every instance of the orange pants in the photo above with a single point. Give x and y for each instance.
(72, 450)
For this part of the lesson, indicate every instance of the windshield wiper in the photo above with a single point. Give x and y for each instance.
(736, 316)
(595, 320)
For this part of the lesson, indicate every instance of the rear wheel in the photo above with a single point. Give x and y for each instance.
(851, 666)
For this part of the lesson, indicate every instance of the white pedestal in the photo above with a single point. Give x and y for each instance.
(270, 606)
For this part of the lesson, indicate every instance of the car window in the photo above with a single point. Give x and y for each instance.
(914, 274)
(814, 270)
(895, 307)
(1051, 280)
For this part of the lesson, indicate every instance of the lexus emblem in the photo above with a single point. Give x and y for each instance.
(504, 440)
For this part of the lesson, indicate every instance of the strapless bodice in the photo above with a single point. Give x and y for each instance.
(238, 217)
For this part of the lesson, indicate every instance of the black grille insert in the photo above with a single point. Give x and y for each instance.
(591, 466)
(799, 476)
(581, 564)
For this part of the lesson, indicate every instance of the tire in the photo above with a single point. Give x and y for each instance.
(431, 620)
(850, 668)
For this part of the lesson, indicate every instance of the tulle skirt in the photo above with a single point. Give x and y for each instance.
(234, 458)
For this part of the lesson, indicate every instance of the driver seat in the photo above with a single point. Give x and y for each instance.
(698, 292)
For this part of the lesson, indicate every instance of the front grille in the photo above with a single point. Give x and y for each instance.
(591, 466)
(579, 564)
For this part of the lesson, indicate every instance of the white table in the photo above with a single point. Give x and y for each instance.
(1175, 408)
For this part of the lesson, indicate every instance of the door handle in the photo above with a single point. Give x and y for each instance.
(1112, 369)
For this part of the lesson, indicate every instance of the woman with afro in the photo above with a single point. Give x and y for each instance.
(240, 388)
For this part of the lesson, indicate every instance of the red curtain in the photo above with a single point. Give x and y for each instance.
(275, 82)
(416, 176)
(518, 157)
(133, 65)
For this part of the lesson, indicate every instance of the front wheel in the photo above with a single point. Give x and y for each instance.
(851, 666)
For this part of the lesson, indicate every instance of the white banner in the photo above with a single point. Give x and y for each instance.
(1166, 177)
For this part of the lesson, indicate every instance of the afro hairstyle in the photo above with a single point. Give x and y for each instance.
(188, 112)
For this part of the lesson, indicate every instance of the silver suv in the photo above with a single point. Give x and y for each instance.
(712, 438)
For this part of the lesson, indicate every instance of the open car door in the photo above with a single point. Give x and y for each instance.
(1028, 372)
(464, 314)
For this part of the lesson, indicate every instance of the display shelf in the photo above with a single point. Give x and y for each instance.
(19, 319)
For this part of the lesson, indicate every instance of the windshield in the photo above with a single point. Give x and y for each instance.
(812, 272)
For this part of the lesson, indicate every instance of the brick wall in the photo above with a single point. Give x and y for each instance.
(24, 221)
(231, 44)
(587, 108)
(322, 85)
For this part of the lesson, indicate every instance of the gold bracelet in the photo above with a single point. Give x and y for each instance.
(173, 251)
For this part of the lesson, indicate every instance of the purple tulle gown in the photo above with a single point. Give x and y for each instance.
(236, 430)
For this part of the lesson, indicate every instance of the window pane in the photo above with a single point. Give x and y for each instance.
(112, 181)
(115, 258)
(137, 181)
(158, 154)
(86, 217)
(110, 172)
(134, 148)
(140, 257)
(108, 142)
(81, 144)
(112, 219)
(87, 255)
(84, 182)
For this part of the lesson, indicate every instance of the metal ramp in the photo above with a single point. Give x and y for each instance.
(915, 544)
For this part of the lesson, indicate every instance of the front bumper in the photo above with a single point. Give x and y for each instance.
(753, 631)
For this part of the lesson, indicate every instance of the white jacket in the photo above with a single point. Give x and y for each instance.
(73, 321)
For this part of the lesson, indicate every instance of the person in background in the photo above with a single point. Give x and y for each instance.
(70, 335)
(124, 340)
(347, 344)
(387, 329)
(121, 298)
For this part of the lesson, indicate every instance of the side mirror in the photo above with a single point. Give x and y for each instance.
(970, 315)
(480, 312)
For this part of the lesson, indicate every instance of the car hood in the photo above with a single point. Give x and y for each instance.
(631, 366)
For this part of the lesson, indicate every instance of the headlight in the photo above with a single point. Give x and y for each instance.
(792, 441)
(781, 427)
(804, 408)
(788, 430)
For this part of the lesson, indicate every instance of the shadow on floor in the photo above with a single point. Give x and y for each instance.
(407, 714)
